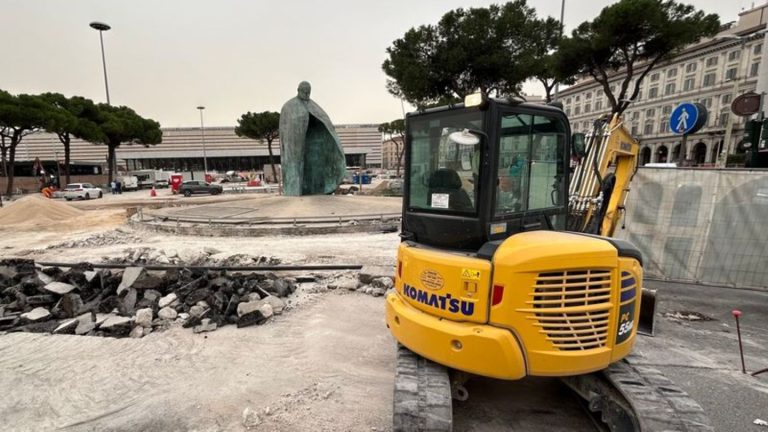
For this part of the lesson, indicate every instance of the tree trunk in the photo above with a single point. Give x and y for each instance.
(11, 159)
(4, 151)
(399, 150)
(66, 162)
(272, 160)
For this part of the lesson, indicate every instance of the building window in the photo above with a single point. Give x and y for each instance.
(648, 129)
(725, 99)
(568, 101)
(666, 110)
(757, 49)
(690, 67)
(730, 74)
(707, 102)
(587, 107)
(664, 126)
(669, 89)
(635, 115)
(734, 55)
(585, 125)
(655, 77)
(598, 105)
(723, 119)
(671, 72)
(567, 112)
(633, 132)
(754, 69)
(653, 92)
(712, 61)
(709, 79)
(688, 84)
(578, 98)
(577, 110)
(588, 96)
(650, 112)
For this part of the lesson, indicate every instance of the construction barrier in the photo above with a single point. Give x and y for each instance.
(704, 226)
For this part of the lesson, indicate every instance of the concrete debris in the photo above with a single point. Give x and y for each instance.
(385, 282)
(687, 316)
(369, 273)
(137, 332)
(760, 422)
(169, 300)
(144, 317)
(167, 313)
(59, 288)
(36, 314)
(206, 325)
(250, 419)
(109, 238)
(133, 302)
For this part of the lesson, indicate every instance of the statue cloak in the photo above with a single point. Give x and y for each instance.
(311, 155)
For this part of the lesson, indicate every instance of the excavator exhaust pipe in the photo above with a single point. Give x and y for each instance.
(647, 312)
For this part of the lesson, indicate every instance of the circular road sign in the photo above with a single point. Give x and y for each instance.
(687, 118)
(746, 104)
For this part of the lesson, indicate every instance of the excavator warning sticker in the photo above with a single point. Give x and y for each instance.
(626, 322)
(471, 274)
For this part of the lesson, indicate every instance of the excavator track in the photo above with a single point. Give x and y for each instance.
(422, 399)
(627, 397)
(631, 397)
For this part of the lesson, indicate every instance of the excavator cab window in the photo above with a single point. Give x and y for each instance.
(531, 163)
(445, 163)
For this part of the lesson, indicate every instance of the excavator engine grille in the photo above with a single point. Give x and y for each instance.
(572, 308)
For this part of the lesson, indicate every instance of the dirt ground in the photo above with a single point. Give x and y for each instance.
(326, 364)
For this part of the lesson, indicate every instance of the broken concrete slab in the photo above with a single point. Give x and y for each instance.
(169, 300)
(67, 327)
(130, 276)
(248, 307)
(167, 313)
(385, 282)
(59, 288)
(277, 304)
(251, 318)
(44, 278)
(368, 273)
(114, 321)
(206, 325)
(36, 314)
(198, 311)
(144, 317)
(137, 332)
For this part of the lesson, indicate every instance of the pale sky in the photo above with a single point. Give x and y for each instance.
(166, 57)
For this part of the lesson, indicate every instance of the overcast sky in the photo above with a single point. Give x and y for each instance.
(166, 57)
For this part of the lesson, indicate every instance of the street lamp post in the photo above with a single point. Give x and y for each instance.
(101, 27)
(562, 30)
(202, 137)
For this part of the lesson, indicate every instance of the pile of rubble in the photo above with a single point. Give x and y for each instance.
(107, 238)
(134, 302)
(196, 257)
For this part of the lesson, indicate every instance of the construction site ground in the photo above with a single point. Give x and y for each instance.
(327, 365)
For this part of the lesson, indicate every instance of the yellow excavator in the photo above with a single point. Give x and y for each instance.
(507, 267)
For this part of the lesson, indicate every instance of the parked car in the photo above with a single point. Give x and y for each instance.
(198, 186)
(81, 191)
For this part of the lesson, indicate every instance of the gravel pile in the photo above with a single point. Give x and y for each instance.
(134, 302)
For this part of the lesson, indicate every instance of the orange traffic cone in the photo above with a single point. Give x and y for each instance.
(153, 193)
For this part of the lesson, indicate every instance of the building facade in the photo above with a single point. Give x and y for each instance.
(712, 72)
(182, 150)
(389, 154)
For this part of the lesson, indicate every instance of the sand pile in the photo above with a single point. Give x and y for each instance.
(35, 209)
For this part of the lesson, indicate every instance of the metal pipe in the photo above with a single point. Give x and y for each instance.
(737, 314)
(305, 267)
(104, 64)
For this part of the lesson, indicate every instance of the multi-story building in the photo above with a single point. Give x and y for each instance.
(182, 149)
(712, 72)
(389, 153)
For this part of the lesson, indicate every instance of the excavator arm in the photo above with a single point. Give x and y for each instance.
(599, 188)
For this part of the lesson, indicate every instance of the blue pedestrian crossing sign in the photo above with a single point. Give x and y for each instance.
(687, 118)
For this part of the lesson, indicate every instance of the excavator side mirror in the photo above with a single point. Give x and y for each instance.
(579, 145)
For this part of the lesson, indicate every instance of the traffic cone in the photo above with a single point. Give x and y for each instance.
(153, 193)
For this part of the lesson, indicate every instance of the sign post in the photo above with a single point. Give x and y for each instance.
(687, 118)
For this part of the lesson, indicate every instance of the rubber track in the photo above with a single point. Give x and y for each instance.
(658, 404)
(422, 399)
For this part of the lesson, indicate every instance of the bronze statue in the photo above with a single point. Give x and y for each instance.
(311, 156)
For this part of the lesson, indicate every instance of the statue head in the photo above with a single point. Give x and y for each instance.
(304, 90)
